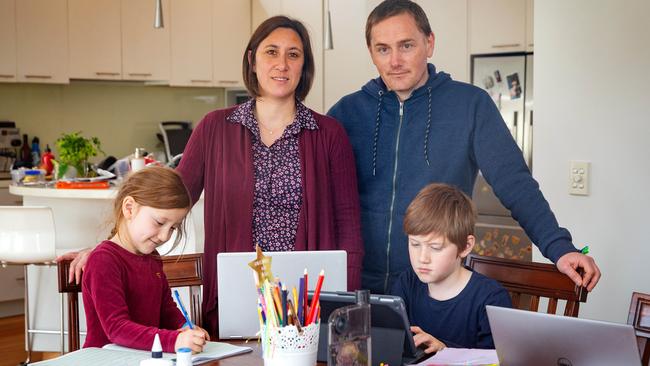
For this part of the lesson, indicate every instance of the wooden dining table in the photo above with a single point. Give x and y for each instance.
(247, 359)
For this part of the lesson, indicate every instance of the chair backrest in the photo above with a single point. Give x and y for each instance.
(528, 281)
(180, 270)
(27, 234)
(175, 136)
(639, 318)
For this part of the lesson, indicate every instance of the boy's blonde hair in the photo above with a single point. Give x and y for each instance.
(443, 210)
(157, 187)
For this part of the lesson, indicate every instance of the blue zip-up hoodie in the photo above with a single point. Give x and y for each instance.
(445, 132)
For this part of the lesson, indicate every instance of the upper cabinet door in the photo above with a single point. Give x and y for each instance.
(95, 39)
(530, 5)
(145, 49)
(42, 41)
(497, 26)
(191, 43)
(7, 41)
(448, 20)
(230, 32)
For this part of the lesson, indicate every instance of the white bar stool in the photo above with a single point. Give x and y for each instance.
(27, 236)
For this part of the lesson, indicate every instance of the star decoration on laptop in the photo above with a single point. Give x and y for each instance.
(262, 266)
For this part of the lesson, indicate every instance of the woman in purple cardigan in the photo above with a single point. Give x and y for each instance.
(274, 172)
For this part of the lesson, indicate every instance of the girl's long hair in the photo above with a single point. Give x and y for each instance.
(157, 187)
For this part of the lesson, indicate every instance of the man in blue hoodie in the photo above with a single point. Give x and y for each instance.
(414, 125)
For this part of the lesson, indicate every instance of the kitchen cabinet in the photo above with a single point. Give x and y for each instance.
(310, 13)
(191, 43)
(8, 41)
(94, 35)
(497, 26)
(145, 49)
(230, 33)
(448, 20)
(530, 5)
(42, 41)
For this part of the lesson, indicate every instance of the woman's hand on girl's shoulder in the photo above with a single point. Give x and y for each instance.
(193, 339)
(78, 264)
(424, 339)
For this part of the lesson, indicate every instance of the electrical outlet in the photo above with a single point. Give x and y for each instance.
(579, 178)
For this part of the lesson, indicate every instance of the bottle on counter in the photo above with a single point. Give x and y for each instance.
(137, 162)
(36, 151)
(26, 152)
(46, 160)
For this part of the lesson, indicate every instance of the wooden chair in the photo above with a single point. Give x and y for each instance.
(527, 282)
(639, 318)
(181, 271)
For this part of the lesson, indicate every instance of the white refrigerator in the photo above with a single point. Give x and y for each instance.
(508, 78)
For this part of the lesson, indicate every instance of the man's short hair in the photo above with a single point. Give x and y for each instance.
(390, 8)
(443, 210)
(260, 34)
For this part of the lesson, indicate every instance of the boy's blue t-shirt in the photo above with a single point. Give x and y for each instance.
(460, 322)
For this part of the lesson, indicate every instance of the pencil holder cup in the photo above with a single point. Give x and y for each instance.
(285, 346)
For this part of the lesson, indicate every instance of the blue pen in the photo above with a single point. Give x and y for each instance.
(180, 303)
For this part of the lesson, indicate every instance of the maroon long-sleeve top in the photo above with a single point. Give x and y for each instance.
(127, 300)
(219, 159)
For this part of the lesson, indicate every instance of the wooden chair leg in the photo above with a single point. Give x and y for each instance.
(73, 321)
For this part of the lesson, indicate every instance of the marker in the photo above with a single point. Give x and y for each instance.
(180, 303)
(585, 250)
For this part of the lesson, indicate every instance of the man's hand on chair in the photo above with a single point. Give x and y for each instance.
(570, 262)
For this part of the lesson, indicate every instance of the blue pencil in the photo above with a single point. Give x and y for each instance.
(300, 298)
(285, 319)
(180, 303)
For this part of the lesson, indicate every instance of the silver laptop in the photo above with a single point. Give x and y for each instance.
(531, 338)
(237, 300)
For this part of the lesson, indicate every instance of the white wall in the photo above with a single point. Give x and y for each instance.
(592, 91)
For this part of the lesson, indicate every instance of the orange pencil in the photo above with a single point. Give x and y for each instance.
(278, 303)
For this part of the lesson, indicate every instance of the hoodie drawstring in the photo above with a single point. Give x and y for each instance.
(426, 133)
(376, 134)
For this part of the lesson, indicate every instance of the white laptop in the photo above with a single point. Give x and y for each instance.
(531, 338)
(237, 299)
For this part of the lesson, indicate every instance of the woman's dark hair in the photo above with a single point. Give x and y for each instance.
(260, 34)
(391, 8)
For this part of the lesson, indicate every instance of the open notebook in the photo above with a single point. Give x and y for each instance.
(116, 355)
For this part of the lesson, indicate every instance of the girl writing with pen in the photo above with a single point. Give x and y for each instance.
(126, 295)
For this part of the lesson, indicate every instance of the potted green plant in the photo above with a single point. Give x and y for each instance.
(74, 150)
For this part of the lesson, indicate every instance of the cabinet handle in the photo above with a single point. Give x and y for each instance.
(200, 81)
(6, 76)
(105, 73)
(139, 74)
(38, 76)
(227, 81)
(530, 45)
(20, 278)
(506, 45)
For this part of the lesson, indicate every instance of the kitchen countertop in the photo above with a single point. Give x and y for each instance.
(26, 191)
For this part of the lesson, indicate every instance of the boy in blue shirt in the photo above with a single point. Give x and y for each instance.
(444, 299)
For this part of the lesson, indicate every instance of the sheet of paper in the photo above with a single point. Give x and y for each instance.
(462, 356)
(96, 357)
(211, 351)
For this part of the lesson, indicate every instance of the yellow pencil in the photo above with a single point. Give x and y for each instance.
(295, 300)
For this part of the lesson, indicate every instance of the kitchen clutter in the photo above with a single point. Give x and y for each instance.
(72, 168)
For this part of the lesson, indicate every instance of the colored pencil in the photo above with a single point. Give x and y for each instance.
(305, 301)
(285, 318)
(314, 299)
(301, 288)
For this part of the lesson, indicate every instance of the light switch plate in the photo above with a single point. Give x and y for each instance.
(579, 178)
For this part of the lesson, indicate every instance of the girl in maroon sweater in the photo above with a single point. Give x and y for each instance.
(125, 292)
